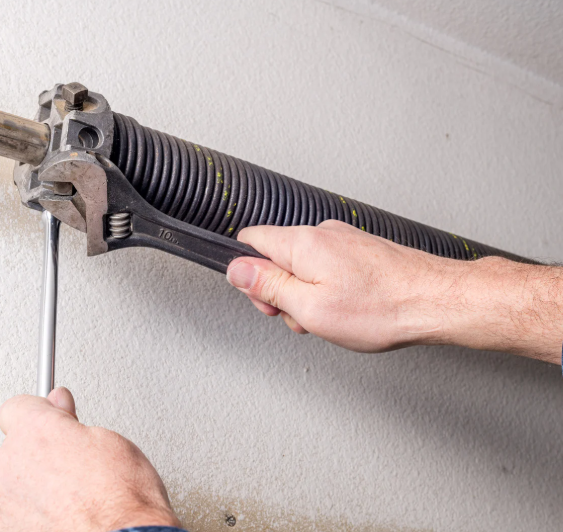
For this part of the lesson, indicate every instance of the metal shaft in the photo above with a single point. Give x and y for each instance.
(48, 317)
(22, 139)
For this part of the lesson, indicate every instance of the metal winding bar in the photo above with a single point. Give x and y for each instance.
(22, 139)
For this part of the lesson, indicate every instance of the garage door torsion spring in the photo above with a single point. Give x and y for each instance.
(224, 194)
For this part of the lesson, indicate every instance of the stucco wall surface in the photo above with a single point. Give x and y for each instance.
(240, 416)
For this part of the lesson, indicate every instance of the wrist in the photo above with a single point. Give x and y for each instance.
(429, 301)
(500, 305)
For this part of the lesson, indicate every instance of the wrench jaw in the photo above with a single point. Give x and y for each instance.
(86, 207)
(79, 185)
(71, 181)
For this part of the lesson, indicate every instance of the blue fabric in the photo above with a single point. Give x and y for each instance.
(152, 529)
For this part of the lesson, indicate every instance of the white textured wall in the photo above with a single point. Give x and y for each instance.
(239, 415)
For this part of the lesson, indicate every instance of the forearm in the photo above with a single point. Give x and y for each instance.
(496, 304)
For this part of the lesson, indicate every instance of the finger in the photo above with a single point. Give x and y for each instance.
(273, 242)
(63, 399)
(264, 307)
(292, 324)
(278, 243)
(17, 410)
(262, 280)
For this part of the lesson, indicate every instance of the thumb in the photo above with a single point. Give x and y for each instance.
(261, 279)
(63, 399)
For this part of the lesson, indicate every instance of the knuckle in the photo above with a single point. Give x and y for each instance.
(24, 411)
(112, 442)
(18, 401)
(308, 238)
(315, 312)
(309, 315)
(99, 434)
(272, 288)
(332, 224)
(106, 437)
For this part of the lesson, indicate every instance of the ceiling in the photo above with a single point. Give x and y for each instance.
(526, 33)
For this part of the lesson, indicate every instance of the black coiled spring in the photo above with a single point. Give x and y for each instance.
(224, 194)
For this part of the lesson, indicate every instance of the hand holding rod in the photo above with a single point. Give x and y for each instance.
(48, 317)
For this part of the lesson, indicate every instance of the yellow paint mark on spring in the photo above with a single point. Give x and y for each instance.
(230, 211)
(465, 244)
(342, 199)
(210, 160)
(354, 213)
(197, 148)
(230, 229)
(225, 195)
(363, 228)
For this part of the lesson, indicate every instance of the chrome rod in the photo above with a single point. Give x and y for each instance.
(48, 316)
(22, 139)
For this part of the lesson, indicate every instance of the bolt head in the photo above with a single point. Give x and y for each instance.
(75, 94)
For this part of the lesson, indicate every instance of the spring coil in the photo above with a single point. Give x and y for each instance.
(120, 225)
(224, 194)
